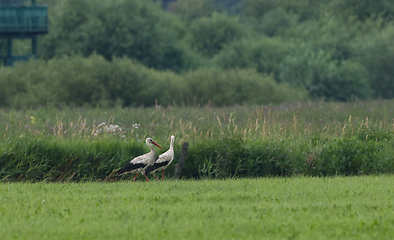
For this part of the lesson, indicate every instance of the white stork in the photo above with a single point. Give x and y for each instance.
(162, 161)
(139, 164)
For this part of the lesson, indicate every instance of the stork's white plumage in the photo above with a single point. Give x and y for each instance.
(163, 161)
(139, 164)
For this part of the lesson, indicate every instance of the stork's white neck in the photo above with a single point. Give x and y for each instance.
(172, 143)
(152, 149)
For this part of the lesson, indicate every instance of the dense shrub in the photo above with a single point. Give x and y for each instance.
(224, 88)
(190, 10)
(276, 21)
(324, 77)
(263, 54)
(304, 10)
(376, 52)
(43, 158)
(94, 81)
(351, 156)
(78, 81)
(363, 9)
(52, 159)
(232, 157)
(210, 35)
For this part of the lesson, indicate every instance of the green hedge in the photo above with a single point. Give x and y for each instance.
(52, 159)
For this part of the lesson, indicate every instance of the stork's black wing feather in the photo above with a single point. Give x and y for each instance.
(129, 167)
(155, 166)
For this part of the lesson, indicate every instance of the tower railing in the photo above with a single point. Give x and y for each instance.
(24, 20)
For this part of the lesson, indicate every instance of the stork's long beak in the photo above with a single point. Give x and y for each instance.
(156, 144)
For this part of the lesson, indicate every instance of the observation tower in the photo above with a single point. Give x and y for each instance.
(19, 19)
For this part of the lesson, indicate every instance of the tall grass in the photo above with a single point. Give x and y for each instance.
(301, 138)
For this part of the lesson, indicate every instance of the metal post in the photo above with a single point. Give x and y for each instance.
(8, 61)
(9, 52)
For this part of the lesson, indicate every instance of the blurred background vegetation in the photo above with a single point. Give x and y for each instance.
(219, 52)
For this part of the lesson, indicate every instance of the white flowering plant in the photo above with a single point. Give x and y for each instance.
(109, 129)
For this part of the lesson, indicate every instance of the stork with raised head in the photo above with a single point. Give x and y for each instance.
(162, 161)
(141, 163)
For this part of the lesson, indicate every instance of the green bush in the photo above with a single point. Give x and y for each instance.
(304, 10)
(46, 158)
(324, 77)
(94, 81)
(351, 156)
(376, 52)
(276, 21)
(190, 10)
(363, 9)
(263, 54)
(53, 159)
(77, 81)
(209, 35)
(226, 88)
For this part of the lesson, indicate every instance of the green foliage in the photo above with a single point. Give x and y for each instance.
(364, 9)
(136, 29)
(376, 52)
(190, 10)
(209, 35)
(303, 9)
(42, 158)
(263, 54)
(77, 81)
(366, 133)
(324, 77)
(276, 21)
(94, 81)
(232, 157)
(335, 49)
(332, 34)
(225, 88)
(258, 8)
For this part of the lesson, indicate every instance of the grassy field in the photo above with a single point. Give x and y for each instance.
(194, 124)
(262, 208)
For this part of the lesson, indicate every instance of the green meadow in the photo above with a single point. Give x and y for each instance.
(259, 208)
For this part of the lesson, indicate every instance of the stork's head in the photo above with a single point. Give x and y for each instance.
(149, 141)
(172, 138)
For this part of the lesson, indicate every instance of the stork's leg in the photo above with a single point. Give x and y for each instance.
(162, 176)
(146, 177)
(155, 175)
(135, 177)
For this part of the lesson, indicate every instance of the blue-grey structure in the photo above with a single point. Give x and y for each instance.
(18, 20)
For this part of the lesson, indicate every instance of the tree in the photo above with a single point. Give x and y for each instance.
(210, 35)
(376, 52)
(133, 28)
(262, 54)
(364, 9)
(190, 10)
(324, 77)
